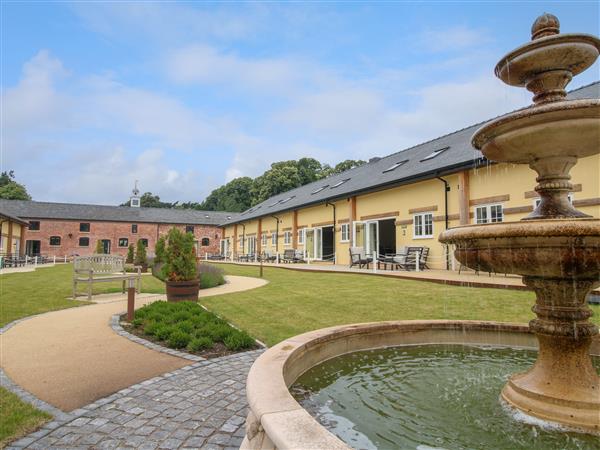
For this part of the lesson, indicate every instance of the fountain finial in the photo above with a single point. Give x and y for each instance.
(545, 25)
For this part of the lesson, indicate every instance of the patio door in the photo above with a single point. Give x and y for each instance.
(33, 248)
(252, 245)
(366, 235)
(318, 243)
(309, 242)
(106, 246)
(224, 248)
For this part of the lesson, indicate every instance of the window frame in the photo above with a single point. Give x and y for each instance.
(134, 228)
(287, 238)
(126, 242)
(34, 229)
(488, 213)
(202, 244)
(274, 238)
(83, 237)
(144, 241)
(189, 229)
(301, 236)
(263, 239)
(55, 237)
(345, 226)
(89, 227)
(423, 225)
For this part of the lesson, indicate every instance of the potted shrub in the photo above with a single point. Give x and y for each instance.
(140, 256)
(159, 251)
(130, 254)
(179, 269)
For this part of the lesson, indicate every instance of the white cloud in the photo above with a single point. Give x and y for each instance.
(452, 39)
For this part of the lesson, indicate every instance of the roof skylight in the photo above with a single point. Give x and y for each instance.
(435, 153)
(339, 183)
(273, 204)
(395, 166)
(316, 191)
(285, 200)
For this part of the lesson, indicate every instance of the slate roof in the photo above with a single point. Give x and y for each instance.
(71, 211)
(456, 153)
(4, 216)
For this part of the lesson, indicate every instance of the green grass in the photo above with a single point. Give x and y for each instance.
(28, 293)
(17, 418)
(296, 301)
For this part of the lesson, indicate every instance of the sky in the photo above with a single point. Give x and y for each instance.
(185, 96)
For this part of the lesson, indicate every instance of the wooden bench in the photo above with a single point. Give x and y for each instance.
(102, 268)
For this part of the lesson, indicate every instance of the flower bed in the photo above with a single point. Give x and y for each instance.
(189, 327)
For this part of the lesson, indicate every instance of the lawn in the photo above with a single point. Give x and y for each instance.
(46, 289)
(296, 301)
(17, 418)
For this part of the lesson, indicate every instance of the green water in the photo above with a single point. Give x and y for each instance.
(427, 397)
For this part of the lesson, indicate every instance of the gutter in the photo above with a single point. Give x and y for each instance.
(446, 190)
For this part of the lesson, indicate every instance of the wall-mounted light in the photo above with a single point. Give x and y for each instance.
(70, 235)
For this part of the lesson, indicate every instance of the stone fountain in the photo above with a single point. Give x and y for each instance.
(556, 248)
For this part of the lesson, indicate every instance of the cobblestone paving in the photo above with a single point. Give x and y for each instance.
(199, 406)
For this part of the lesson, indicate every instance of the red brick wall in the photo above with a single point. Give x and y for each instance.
(68, 231)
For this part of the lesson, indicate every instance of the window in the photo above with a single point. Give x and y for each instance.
(273, 204)
(395, 166)
(423, 225)
(189, 229)
(241, 244)
(135, 202)
(345, 232)
(435, 153)
(285, 200)
(273, 238)
(488, 214)
(263, 238)
(124, 242)
(537, 201)
(84, 227)
(55, 240)
(339, 183)
(144, 242)
(34, 225)
(301, 236)
(84, 241)
(316, 191)
(134, 228)
(205, 242)
(287, 238)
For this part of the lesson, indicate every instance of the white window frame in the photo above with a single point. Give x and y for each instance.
(301, 236)
(287, 238)
(488, 213)
(263, 239)
(423, 225)
(273, 238)
(241, 243)
(345, 232)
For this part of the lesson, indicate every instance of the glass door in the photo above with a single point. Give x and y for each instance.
(372, 241)
(309, 242)
(318, 243)
(359, 234)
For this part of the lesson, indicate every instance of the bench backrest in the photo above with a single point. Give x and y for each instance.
(289, 253)
(357, 254)
(100, 263)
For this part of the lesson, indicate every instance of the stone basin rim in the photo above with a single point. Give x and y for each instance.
(488, 132)
(279, 415)
(543, 228)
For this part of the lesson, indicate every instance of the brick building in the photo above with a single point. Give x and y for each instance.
(66, 229)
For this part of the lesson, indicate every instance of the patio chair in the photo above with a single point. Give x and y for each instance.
(423, 258)
(358, 257)
(408, 260)
(268, 257)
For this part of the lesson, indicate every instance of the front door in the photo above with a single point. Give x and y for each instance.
(33, 248)
(106, 246)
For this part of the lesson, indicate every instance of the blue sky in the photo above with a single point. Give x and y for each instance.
(186, 96)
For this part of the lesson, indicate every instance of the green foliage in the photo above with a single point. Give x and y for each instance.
(200, 343)
(210, 276)
(10, 189)
(159, 250)
(130, 254)
(18, 418)
(180, 262)
(137, 322)
(178, 339)
(187, 324)
(148, 200)
(99, 247)
(232, 196)
(238, 340)
(140, 254)
(341, 167)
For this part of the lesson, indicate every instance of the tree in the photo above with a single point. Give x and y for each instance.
(233, 196)
(159, 250)
(281, 177)
(99, 247)
(341, 167)
(130, 254)
(180, 262)
(140, 254)
(10, 189)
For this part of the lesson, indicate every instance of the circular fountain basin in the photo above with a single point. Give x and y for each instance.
(557, 248)
(277, 420)
(572, 52)
(571, 126)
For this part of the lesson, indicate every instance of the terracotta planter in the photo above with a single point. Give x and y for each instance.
(178, 291)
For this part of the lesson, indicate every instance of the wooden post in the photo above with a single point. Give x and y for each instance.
(463, 199)
(130, 299)
(295, 230)
(9, 241)
(261, 267)
(259, 248)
